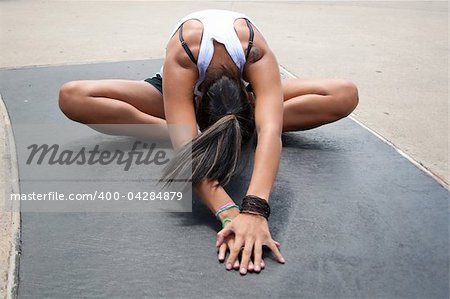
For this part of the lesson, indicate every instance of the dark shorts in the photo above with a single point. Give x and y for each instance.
(156, 81)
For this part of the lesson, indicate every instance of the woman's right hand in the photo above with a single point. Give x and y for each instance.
(226, 248)
(228, 244)
(251, 233)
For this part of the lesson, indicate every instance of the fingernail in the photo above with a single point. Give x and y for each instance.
(243, 271)
(257, 269)
(221, 258)
(228, 266)
(282, 260)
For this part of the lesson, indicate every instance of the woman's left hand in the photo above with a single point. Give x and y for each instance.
(250, 232)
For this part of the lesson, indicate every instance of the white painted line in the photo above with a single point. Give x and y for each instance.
(416, 163)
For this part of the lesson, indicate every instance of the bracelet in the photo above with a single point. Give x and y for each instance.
(226, 207)
(255, 205)
(225, 220)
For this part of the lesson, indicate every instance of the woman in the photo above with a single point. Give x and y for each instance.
(220, 76)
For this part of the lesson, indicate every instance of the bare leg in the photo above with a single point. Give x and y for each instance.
(96, 102)
(312, 103)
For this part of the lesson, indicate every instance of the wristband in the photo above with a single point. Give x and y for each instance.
(225, 220)
(226, 207)
(255, 205)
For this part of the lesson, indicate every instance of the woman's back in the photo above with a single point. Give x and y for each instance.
(219, 26)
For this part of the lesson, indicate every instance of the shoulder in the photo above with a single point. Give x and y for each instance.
(192, 35)
(260, 53)
(260, 46)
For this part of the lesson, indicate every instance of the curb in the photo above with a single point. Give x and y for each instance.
(11, 185)
(287, 74)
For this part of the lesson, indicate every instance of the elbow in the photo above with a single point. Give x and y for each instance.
(272, 130)
(270, 135)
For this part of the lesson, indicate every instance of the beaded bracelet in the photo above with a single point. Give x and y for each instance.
(255, 205)
(226, 207)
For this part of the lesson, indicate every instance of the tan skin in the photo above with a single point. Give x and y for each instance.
(291, 105)
(250, 231)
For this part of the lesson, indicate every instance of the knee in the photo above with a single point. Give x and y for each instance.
(348, 98)
(70, 98)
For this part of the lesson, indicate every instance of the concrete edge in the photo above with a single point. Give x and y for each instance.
(409, 158)
(87, 62)
(12, 186)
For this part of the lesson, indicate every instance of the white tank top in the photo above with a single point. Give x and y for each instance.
(218, 25)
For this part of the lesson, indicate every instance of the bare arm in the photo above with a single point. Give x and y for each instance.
(265, 79)
(252, 231)
(179, 79)
(180, 76)
(214, 197)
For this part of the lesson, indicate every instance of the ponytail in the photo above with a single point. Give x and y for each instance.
(226, 118)
(215, 154)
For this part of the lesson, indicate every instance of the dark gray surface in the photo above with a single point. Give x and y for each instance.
(355, 220)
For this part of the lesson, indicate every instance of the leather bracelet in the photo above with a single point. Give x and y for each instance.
(255, 205)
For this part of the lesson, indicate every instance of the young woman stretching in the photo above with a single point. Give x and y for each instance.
(219, 76)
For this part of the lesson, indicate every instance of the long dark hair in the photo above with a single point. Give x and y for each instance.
(226, 118)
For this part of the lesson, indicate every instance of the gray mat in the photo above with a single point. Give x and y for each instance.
(355, 220)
